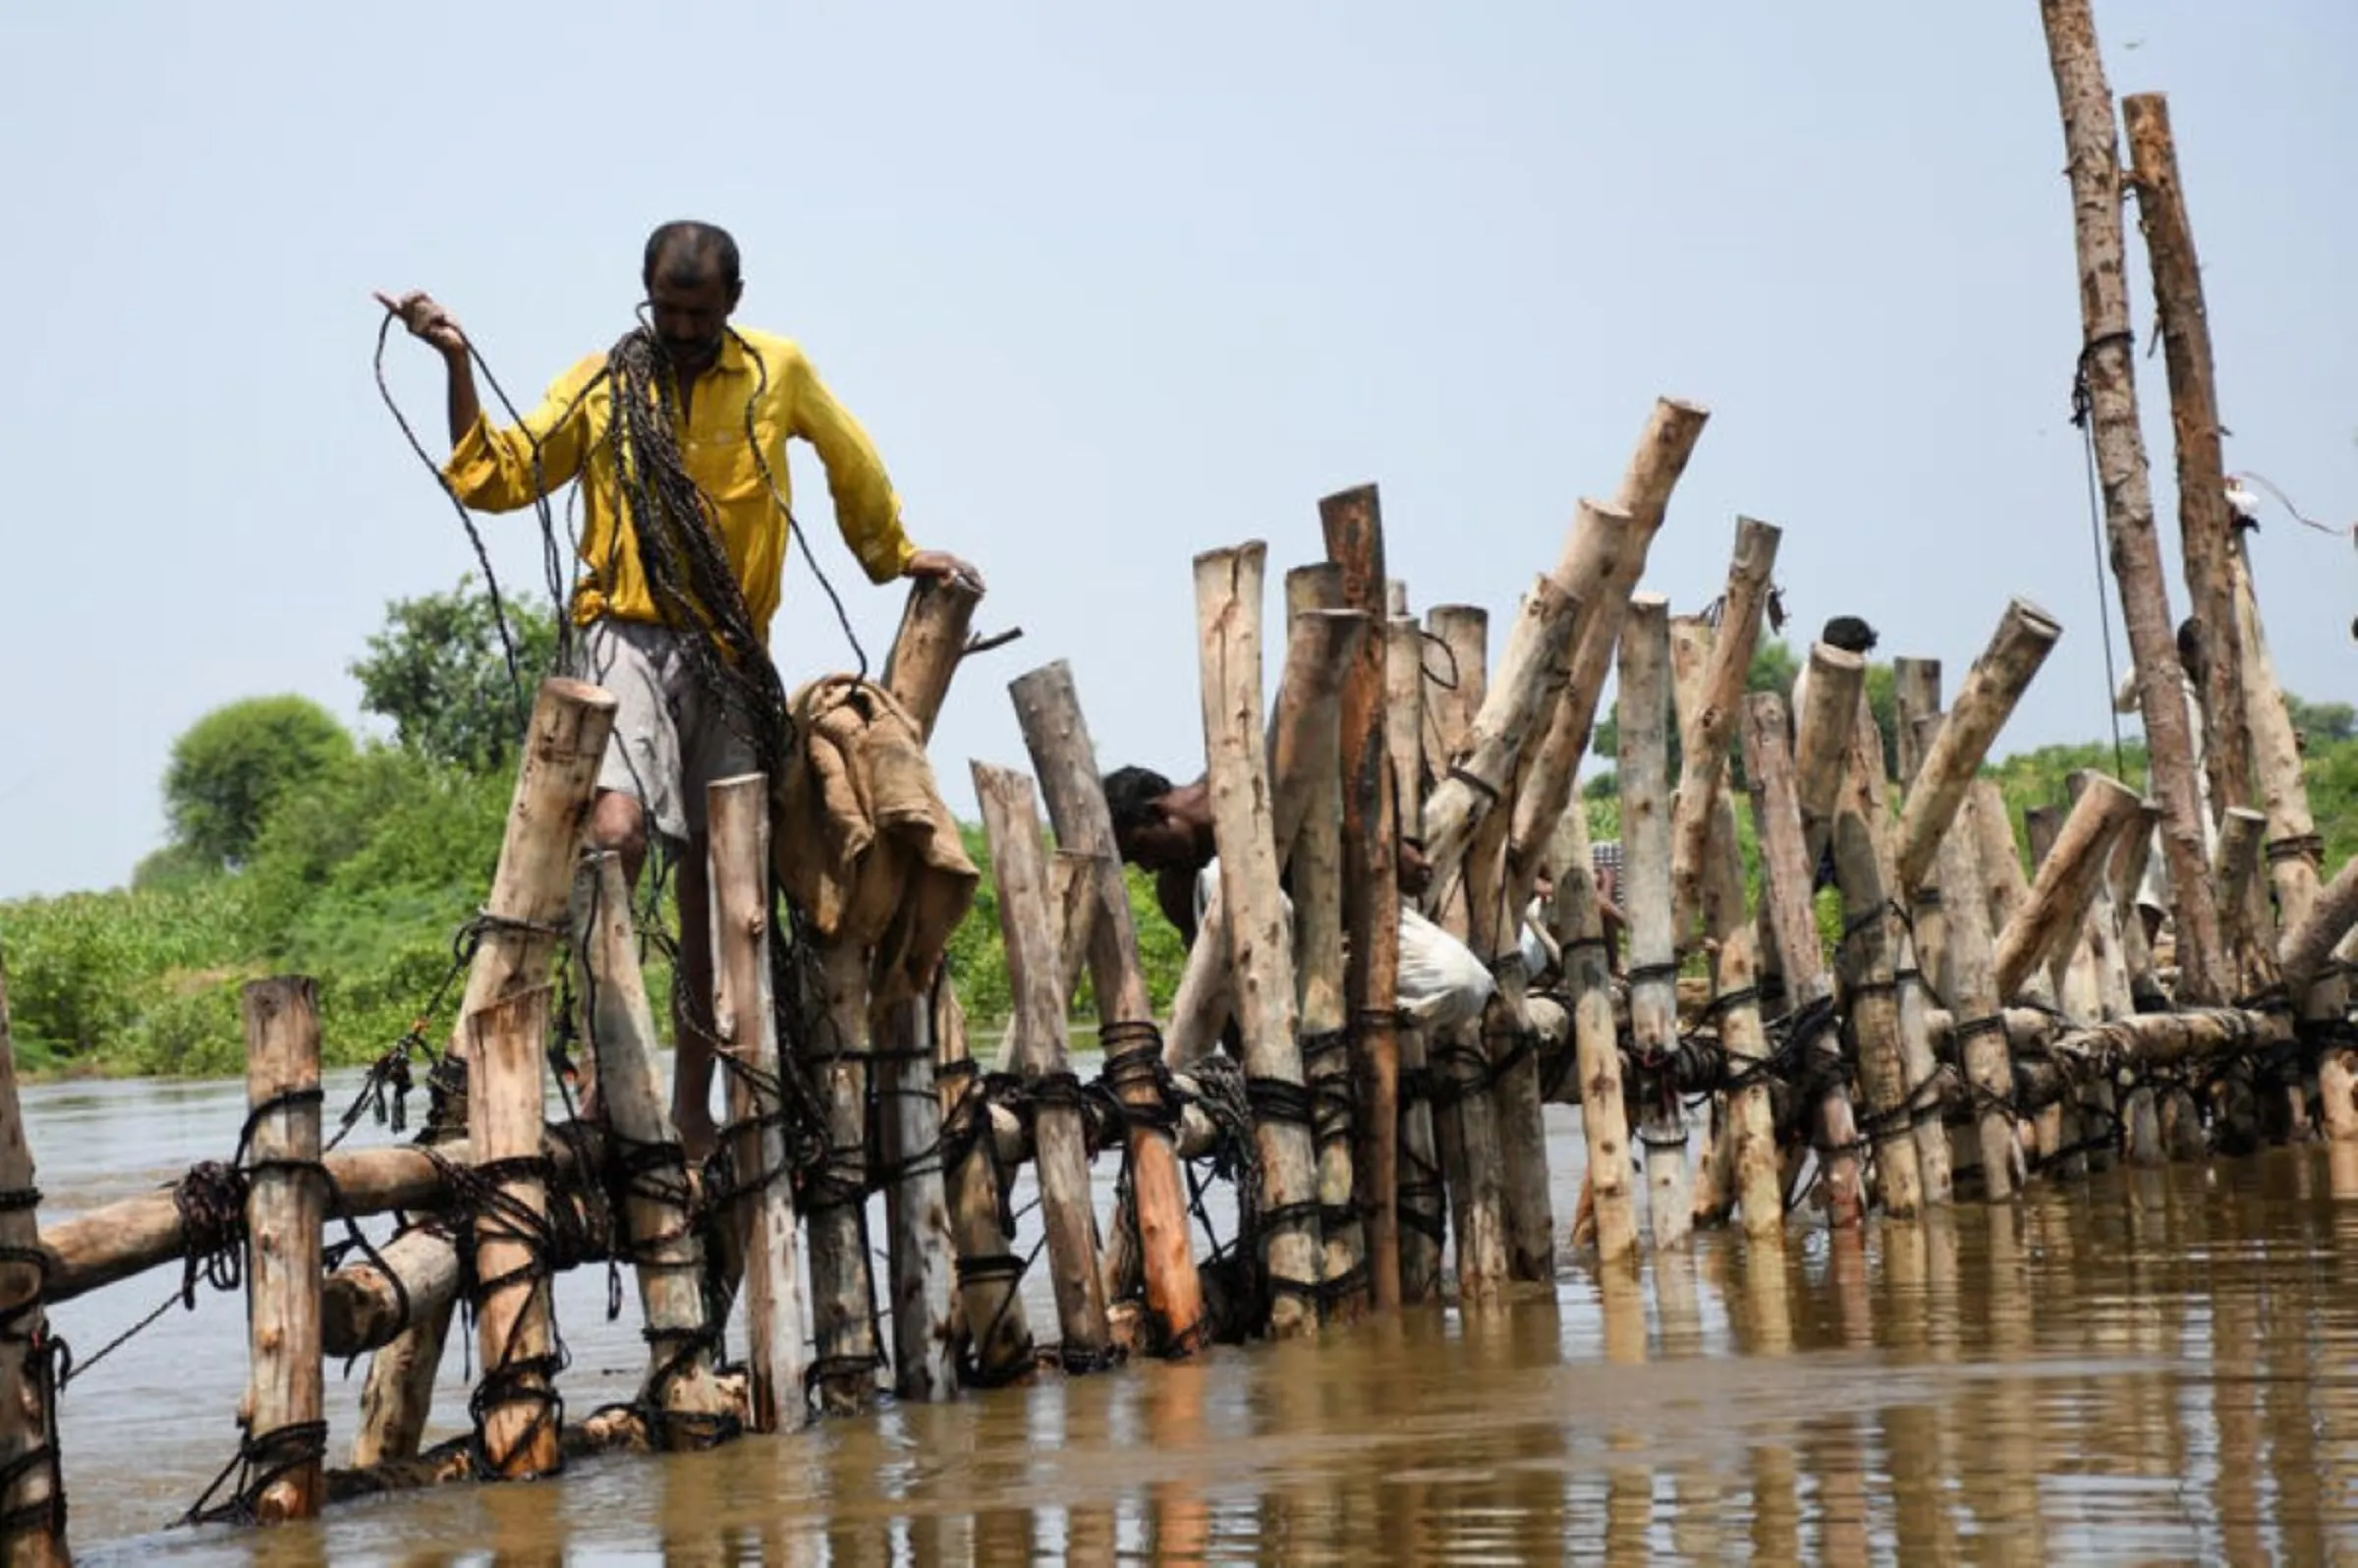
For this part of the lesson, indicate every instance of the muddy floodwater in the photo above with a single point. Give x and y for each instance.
(2150, 1367)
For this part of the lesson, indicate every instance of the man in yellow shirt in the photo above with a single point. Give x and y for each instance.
(729, 399)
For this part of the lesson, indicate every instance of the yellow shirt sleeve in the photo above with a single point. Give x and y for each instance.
(866, 510)
(491, 468)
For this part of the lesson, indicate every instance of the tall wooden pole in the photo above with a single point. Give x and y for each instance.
(1352, 522)
(284, 1210)
(33, 1497)
(2105, 362)
(2206, 524)
(1983, 1053)
(514, 1309)
(1424, 1194)
(1653, 962)
(1057, 737)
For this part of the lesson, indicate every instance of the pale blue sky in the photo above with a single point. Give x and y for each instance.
(1113, 284)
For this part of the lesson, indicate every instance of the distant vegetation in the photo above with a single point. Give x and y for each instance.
(296, 847)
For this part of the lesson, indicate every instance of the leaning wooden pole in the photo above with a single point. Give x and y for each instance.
(745, 1028)
(2058, 909)
(514, 942)
(1653, 961)
(1019, 862)
(1352, 522)
(1058, 735)
(2024, 638)
(1228, 600)
(2206, 523)
(33, 1497)
(1707, 736)
(515, 1305)
(286, 1203)
(922, 1277)
(2105, 365)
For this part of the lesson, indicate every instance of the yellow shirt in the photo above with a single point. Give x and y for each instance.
(491, 470)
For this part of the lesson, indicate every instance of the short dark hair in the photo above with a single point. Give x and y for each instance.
(1850, 634)
(1130, 796)
(691, 247)
(2190, 642)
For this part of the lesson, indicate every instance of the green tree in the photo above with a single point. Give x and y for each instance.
(232, 768)
(438, 672)
(2321, 723)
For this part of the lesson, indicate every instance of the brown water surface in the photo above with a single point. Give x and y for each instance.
(2147, 1367)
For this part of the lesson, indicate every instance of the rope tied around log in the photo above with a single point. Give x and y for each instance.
(497, 1213)
(2310, 847)
(48, 1364)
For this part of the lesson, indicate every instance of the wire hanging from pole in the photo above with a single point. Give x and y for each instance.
(2081, 407)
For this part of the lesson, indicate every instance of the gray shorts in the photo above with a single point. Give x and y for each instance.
(671, 736)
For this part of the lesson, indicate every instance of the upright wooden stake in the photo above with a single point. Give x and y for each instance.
(681, 1380)
(1785, 868)
(1352, 522)
(1423, 1193)
(2093, 149)
(2206, 525)
(1823, 729)
(1981, 1027)
(1596, 1046)
(1652, 960)
(2025, 635)
(1057, 737)
(1752, 1116)
(33, 1498)
(1916, 693)
(1868, 964)
(843, 1290)
(1061, 1142)
(285, 1207)
(925, 653)
(1229, 597)
(515, 1314)
(1707, 736)
(745, 1028)
(530, 892)
(990, 1304)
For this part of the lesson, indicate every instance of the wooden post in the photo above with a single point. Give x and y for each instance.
(2025, 635)
(2243, 918)
(2206, 524)
(2066, 883)
(1708, 734)
(1423, 1191)
(843, 1292)
(1019, 862)
(935, 623)
(2104, 917)
(1785, 869)
(523, 917)
(1869, 964)
(990, 1304)
(1982, 1050)
(1517, 1128)
(1752, 1119)
(1646, 829)
(1821, 740)
(1321, 645)
(1714, 1148)
(1352, 522)
(2093, 150)
(1057, 737)
(514, 1315)
(1916, 693)
(681, 1380)
(2331, 916)
(285, 1205)
(744, 1032)
(1228, 596)
(33, 1499)
(1596, 1046)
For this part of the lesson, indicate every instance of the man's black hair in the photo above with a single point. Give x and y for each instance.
(1849, 634)
(1130, 796)
(690, 246)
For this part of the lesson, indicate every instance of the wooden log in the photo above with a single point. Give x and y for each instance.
(1057, 735)
(2104, 941)
(2243, 918)
(1646, 829)
(1352, 524)
(1074, 899)
(515, 1314)
(682, 1382)
(2331, 916)
(744, 1028)
(2057, 907)
(2206, 523)
(1752, 1119)
(843, 1303)
(990, 1303)
(1530, 678)
(1460, 635)
(286, 1203)
(2129, 858)
(1228, 595)
(1708, 734)
(1915, 693)
(1821, 740)
(1579, 929)
(2024, 638)
(1981, 1044)
(33, 1497)
(1869, 962)
(1321, 645)
(2092, 147)
(1515, 1158)
(523, 920)
(2042, 825)
(1714, 1148)
(1012, 819)
(1423, 1191)
(1601, 566)
(1785, 871)
(932, 640)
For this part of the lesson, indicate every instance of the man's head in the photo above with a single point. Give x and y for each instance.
(1849, 634)
(2190, 646)
(1146, 830)
(693, 283)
